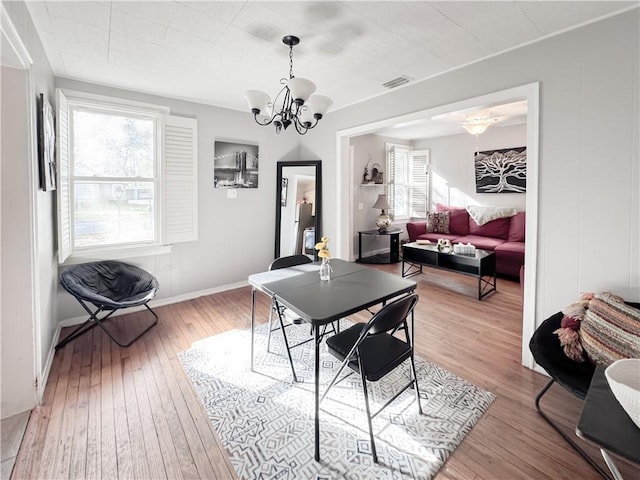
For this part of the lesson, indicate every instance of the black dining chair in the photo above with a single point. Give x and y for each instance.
(109, 286)
(286, 318)
(373, 350)
(575, 377)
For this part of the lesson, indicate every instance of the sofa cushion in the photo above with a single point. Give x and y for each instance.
(516, 227)
(498, 228)
(458, 221)
(438, 222)
(484, 243)
(510, 258)
(416, 228)
(434, 237)
(511, 247)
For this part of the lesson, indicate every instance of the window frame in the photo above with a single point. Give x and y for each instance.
(95, 106)
(175, 173)
(410, 185)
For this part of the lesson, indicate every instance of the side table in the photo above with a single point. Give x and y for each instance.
(394, 247)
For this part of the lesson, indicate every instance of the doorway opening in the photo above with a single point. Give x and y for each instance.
(347, 178)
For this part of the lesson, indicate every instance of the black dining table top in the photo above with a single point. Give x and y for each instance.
(353, 287)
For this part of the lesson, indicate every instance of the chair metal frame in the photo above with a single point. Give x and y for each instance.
(406, 306)
(105, 304)
(93, 321)
(285, 262)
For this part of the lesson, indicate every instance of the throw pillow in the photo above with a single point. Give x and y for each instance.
(438, 222)
(610, 329)
(482, 215)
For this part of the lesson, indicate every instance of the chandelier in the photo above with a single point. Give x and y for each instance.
(294, 104)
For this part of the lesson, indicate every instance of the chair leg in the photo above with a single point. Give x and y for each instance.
(415, 383)
(569, 440)
(286, 343)
(93, 317)
(269, 327)
(366, 402)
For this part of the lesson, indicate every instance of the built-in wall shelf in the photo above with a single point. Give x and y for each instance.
(373, 184)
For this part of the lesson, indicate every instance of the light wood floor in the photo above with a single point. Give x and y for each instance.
(112, 412)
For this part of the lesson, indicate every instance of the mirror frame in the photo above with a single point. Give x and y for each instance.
(299, 163)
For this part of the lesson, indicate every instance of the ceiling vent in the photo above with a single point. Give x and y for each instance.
(396, 82)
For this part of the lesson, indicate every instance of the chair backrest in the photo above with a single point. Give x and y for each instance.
(391, 315)
(290, 261)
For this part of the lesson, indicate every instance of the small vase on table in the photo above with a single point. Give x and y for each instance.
(325, 270)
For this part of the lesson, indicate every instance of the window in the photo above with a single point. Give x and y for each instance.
(408, 189)
(127, 175)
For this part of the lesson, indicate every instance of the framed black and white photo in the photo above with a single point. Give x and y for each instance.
(283, 192)
(46, 144)
(235, 165)
(501, 171)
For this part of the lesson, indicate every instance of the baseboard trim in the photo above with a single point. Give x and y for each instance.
(161, 302)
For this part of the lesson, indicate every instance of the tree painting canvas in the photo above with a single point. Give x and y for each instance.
(501, 171)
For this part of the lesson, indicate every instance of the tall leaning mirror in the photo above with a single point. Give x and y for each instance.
(298, 207)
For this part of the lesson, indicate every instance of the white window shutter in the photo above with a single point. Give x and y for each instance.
(64, 175)
(419, 183)
(179, 179)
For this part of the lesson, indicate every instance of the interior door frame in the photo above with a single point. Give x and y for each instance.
(345, 188)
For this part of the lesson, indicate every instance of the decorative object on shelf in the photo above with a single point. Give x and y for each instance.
(46, 144)
(376, 174)
(296, 105)
(501, 171)
(325, 255)
(235, 165)
(383, 220)
(444, 245)
(366, 176)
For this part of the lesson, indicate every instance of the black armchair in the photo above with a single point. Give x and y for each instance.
(108, 286)
(575, 377)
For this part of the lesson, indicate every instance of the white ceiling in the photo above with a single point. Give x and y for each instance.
(212, 52)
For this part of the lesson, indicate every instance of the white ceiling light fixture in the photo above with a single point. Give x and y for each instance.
(298, 106)
(477, 126)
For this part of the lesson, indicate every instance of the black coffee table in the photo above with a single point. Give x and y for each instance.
(481, 265)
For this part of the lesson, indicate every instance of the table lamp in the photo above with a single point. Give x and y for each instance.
(383, 221)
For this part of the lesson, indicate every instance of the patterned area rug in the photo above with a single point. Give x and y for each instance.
(266, 422)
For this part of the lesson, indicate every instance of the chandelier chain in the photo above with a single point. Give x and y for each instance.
(290, 61)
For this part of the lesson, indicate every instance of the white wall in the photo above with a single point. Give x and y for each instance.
(44, 263)
(589, 172)
(18, 392)
(235, 235)
(452, 159)
(369, 149)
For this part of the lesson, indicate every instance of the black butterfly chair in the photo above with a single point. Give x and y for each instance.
(372, 350)
(285, 316)
(108, 286)
(569, 374)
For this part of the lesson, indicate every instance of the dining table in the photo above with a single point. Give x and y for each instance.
(352, 288)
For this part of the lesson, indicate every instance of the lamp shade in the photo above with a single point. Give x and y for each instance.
(476, 128)
(257, 100)
(301, 88)
(381, 202)
(319, 104)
